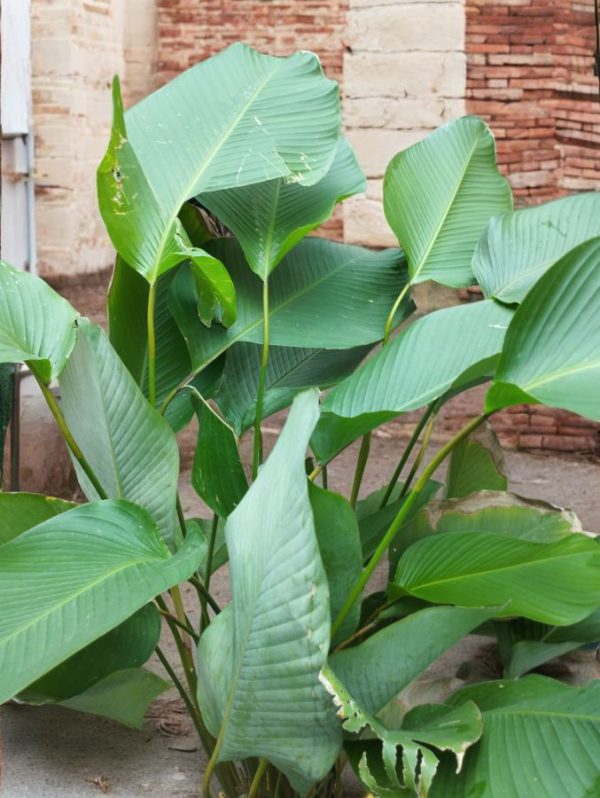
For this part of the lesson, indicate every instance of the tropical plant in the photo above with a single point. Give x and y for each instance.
(301, 672)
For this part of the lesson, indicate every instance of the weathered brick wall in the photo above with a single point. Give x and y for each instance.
(530, 75)
(190, 31)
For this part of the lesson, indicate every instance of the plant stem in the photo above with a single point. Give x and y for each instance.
(202, 592)
(361, 464)
(418, 458)
(257, 452)
(69, 439)
(401, 517)
(405, 455)
(365, 446)
(151, 345)
(177, 622)
(260, 772)
(185, 652)
(208, 570)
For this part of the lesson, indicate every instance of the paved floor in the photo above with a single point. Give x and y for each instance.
(54, 753)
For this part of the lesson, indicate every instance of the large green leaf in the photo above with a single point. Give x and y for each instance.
(123, 696)
(289, 370)
(551, 350)
(128, 645)
(540, 738)
(423, 362)
(20, 511)
(37, 326)
(260, 660)
(130, 448)
(217, 473)
(378, 669)
(446, 728)
(477, 463)
(339, 544)
(319, 286)
(73, 578)
(236, 119)
(270, 218)
(439, 194)
(517, 248)
(556, 583)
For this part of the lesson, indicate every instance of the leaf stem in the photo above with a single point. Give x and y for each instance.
(405, 455)
(260, 772)
(361, 464)
(177, 622)
(257, 452)
(151, 345)
(419, 457)
(185, 650)
(208, 571)
(69, 439)
(401, 517)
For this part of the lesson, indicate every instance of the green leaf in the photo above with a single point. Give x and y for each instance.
(556, 583)
(128, 645)
(423, 362)
(477, 463)
(547, 734)
(130, 448)
(339, 544)
(217, 474)
(318, 287)
(37, 326)
(439, 194)
(20, 511)
(550, 352)
(517, 248)
(72, 578)
(289, 370)
(123, 696)
(270, 218)
(236, 119)
(260, 660)
(375, 671)
(446, 728)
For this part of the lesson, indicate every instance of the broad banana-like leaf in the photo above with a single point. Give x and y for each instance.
(317, 288)
(37, 326)
(217, 473)
(375, 671)
(550, 352)
(556, 583)
(143, 222)
(259, 661)
(123, 696)
(236, 119)
(128, 645)
(20, 511)
(546, 733)
(72, 578)
(129, 446)
(439, 726)
(289, 371)
(423, 362)
(270, 218)
(438, 196)
(517, 248)
(477, 463)
(499, 513)
(339, 544)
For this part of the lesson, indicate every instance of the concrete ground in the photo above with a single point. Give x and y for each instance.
(54, 753)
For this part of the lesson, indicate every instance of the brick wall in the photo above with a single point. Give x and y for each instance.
(530, 75)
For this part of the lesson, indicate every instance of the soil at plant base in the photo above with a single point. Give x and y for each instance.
(50, 752)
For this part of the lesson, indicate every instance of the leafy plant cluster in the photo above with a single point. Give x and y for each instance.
(301, 672)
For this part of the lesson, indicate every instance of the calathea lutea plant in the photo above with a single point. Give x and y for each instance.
(307, 669)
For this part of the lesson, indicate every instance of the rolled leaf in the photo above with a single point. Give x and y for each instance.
(259, 661)
(438, 196)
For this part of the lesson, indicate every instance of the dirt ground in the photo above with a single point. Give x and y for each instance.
(54, 753)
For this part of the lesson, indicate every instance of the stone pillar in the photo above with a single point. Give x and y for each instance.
(404, 75)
